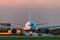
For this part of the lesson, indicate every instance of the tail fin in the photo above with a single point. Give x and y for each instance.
(29, 13)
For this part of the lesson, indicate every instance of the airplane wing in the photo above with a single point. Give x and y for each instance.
(41, 24)
(19, 24)
(53, 27)
(48, 27)
(36, 24)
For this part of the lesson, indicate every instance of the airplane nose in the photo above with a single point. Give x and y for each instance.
(30, 25)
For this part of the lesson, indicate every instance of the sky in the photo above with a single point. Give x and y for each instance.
(17, 11)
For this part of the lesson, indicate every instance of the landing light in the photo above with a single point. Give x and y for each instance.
(24, 28)
(30, 32)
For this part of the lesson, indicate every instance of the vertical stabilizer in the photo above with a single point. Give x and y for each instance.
(29, 13)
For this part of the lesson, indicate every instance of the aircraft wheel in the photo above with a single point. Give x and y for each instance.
(14, 31)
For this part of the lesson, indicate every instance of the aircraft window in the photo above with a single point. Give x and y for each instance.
(31, 24)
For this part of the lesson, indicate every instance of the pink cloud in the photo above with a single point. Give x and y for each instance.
(23, 2)
(33, 3)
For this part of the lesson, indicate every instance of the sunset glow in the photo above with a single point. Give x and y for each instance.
(16, 11)
(38, 3)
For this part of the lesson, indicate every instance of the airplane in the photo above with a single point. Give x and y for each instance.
(29, 26)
